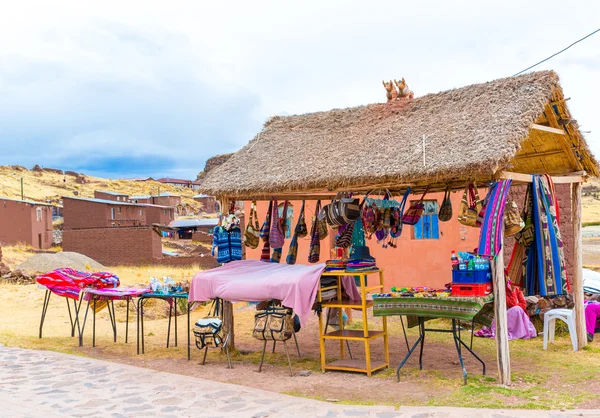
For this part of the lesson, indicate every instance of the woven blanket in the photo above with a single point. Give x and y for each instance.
(68, 282)
(462, 308)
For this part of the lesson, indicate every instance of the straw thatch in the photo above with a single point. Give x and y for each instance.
(470, 131)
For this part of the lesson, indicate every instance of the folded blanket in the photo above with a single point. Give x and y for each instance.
(68, 282)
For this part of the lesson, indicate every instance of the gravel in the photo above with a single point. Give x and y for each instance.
(43, 263)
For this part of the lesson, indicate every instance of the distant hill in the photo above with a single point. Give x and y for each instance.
(49, 185)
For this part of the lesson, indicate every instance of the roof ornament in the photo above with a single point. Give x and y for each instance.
(403, 90)
(398, 92)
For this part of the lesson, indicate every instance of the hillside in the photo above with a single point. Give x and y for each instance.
(591, 201)
(48, 186)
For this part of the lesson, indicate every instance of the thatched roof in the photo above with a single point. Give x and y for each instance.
(472, 131)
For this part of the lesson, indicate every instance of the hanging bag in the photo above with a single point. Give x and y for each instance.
(252, 232)
(414, 212)
(321, 223)
(512, 219)
(344, 237)
(276, 237)
(470, 206)
(265, 254)
(445, 213)
(314, 251)
(526, 236)
(293, 250)
(301, 229)
(276, 323)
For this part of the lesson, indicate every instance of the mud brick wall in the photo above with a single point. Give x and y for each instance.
(206, 262)
(115, 246)
(563, 192)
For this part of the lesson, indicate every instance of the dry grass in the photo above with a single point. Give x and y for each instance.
(44, 186)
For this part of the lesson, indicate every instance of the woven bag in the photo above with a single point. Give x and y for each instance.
(321, 221)
(526, 236)
(276, 237)
(252, 232)
(344, 237)
(470, 206)
(274, 324)
(414, 212)
(314, 251)
(301, 229)
(266, 226)
(445, 213)
(512, 219)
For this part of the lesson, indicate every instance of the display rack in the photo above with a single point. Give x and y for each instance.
(367, 365)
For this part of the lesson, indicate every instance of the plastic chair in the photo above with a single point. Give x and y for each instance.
(565, 315)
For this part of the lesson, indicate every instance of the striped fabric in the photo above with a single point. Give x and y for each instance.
(462, 308)
(68, 282)
(493, 222)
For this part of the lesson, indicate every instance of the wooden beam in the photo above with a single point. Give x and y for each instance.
(502, 351)
(577, 279)
(526, 178)
(547, 129)
(540, 154)
(564, 139)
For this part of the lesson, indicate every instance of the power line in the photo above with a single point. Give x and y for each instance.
(559, 52)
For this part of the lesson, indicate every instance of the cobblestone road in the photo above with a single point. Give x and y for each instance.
(41, 383)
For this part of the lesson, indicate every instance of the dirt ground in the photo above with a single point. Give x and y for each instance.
(557, 378)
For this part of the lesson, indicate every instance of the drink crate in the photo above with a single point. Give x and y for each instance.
(471, 289)
(471, 276)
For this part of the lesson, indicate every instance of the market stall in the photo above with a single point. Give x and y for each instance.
(507, 129)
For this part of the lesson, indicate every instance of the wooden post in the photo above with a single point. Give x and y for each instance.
(503, 354)
(577, 279)
(228, 322)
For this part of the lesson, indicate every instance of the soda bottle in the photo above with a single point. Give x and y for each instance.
(454, 260)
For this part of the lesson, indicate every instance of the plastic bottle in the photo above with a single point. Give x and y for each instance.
(454, 260)
(462, 264)
(471, 264)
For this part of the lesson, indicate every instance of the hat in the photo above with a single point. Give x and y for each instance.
(361, 252)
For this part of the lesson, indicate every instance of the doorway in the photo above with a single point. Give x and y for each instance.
(40, 241)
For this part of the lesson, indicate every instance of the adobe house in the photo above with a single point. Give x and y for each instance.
(27, 222)
(208, 203)
(141, 199)
(161, 215)
(175, 182)
(81, 212)
(106, 195)
(166, 199)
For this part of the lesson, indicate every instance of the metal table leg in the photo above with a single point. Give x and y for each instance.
(94, 323)
(44, 309)
(141, 313)
(175, 303)
(169, 328)
(189, 308)
(70, 318)
(127, 321)
(412, 349)
(404, 331)
(84, 321)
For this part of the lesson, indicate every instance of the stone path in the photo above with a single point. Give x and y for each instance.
(41, 383)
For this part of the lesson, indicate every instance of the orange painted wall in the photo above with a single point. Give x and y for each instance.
(413, 263)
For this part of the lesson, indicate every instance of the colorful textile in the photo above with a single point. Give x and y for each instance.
(265, 254)
(546, 273)
(493, 222)
(592, 315)
(68, 282)
(113, 294)
(518, 324)
(227, 243)
(462, 308)
(252, 280)
(515, 270)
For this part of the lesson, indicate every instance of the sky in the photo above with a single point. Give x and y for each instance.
(141, 88)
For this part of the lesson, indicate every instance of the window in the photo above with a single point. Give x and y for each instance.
(141, 212)
(427, 227)
(112, 213)
(170, 214)
(38, 214)
(164, 211)
(119, 209)
(288, 219)
(118, 198)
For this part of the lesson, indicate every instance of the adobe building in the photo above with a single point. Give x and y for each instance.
(166, 199)
(144, 199)
(106, 195)
(27, 222)
(208, 203)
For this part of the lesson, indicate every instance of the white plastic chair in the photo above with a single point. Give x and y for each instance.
(565, 315)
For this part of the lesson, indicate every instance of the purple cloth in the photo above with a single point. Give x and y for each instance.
(592, 314)
(519, 326)
(295, 285)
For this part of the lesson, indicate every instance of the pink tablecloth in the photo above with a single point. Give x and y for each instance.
(252, 280)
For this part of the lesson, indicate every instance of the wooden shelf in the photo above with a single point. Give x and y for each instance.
(355, 365)
(350, 273)
(351, 334)
(336, 303)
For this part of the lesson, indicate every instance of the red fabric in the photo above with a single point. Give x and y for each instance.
(514, 297)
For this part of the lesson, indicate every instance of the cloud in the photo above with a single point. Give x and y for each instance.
(149, 88)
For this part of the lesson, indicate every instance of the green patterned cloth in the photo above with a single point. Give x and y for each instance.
(466, 309)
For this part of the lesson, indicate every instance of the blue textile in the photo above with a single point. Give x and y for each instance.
(228, 244)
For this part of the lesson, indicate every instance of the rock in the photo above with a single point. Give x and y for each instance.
(80, 179)
(304, 373)
(18, 168)
(53, 170)
(543, 304)
(543, 313)
(36, 168)
(75, 192)
(532, 299)
(559, 301)
(71, 173)
(332, 400)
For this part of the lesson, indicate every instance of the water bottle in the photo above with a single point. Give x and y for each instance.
(454, 260)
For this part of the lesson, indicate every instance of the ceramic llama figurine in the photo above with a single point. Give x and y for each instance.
(403, 90)
(390, 91)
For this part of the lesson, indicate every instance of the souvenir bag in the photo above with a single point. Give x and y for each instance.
(445, 213)
(321, 222)
(208, 330)
(265, 254)
(396, 229)
(314, 251)
(301, 229)
(342, 210)
(276, 237)
(484, 205)
(252, 232)
(344, 237)
(512, 219)
(414, 212)
(369, 215)
(293, 250)
(470, 206)
(276, 323)
(526, 236)
(276, 255)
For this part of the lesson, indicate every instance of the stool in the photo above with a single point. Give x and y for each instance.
(565, 315)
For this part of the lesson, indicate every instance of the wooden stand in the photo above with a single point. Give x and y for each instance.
(363, 366)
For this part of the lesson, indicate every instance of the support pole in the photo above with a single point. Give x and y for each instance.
(228, 323)
(502, 352)
(577, 279)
